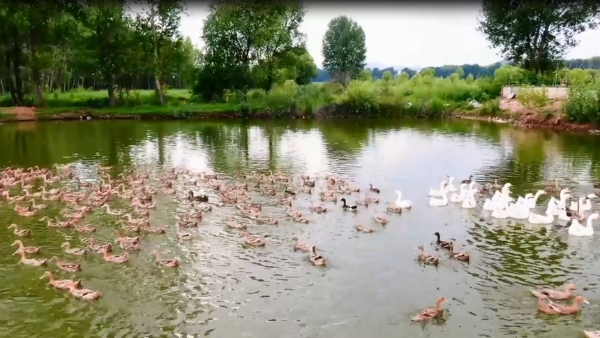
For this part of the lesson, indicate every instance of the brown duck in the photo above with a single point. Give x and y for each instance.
(430, 313)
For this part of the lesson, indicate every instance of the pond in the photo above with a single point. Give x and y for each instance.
(372, 285)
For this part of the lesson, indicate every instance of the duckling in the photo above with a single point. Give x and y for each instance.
(98, 247)
(170, 263)
(22, 232)
(553, 186)
(66, 266)
(461, 256)
(547, 306)
(364, 228)
(73, 251)
(381, 220)
(117, 259)
(442, 244)
(152, 230)
(268, 220)
(427, 259)
(317, 259)
(329, 198)
(394, 209)
(302, 246)
(30, 261)
(369, 200)
(234, 225)
(27, 249)
(300, 219)
(429, 313)
(288, 192)
(85, 229)
(347, 207)
(62, 284)
(555, 294)
(371, 188)
(201, 198)
(85, 294)
(253, 240)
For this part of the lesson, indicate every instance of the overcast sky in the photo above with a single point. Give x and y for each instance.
(403, 35)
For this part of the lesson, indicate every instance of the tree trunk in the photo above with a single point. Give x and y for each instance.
(112, 99)
(157, 73)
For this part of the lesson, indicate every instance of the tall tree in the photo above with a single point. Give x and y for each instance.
(534, 34)
(344, 49)
(106, 40)
(242, 35)
(159, 21)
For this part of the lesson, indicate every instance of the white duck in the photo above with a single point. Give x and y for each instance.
(459, 197)
(469, 201)
(494, 203)
(532, 201)
(519, 210)
(404, 204)
(540, 219)
(440, 192)
(450, 187)
(564, 195)
(503, 211)
(557, 205)
(577, 229)
(439, 202)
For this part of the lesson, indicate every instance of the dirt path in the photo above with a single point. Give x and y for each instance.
(554, 119)
(20, 113)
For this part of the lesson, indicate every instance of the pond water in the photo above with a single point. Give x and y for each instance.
(372, 286)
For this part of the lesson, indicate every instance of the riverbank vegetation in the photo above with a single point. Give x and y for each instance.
(109, 58)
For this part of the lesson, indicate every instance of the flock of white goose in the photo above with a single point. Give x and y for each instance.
(502, 205)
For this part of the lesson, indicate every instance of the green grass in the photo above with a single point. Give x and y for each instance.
(420, 96)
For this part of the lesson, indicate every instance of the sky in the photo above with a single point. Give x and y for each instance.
(402, 35)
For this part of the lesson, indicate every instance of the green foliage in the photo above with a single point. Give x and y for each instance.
(533, 34)
(365, 75)
(583, 105)
(533, 98)
(344, 49)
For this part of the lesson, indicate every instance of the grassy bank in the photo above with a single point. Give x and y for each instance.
(423, 95)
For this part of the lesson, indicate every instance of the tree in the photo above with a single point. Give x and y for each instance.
(344, 49)
(251, 38)
(534, 34)
(159, 22)
(365, 75)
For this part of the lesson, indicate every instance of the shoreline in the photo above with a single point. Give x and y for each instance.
(30, 114)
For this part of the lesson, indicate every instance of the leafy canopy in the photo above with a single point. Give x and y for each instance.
(344, 49)
(533, 34)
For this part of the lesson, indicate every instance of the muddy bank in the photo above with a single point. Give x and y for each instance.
(512, 113)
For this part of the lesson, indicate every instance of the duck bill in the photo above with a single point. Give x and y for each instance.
(585, 301)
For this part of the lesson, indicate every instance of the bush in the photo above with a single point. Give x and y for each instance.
(532, 98)
(582, 105)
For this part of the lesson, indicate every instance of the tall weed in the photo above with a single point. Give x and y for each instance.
(583, 105)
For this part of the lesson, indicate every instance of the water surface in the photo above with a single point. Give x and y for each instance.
(373, 284)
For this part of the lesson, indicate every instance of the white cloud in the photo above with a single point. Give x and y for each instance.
(403, 35)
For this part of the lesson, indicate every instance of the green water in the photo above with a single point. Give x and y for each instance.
(373, 284)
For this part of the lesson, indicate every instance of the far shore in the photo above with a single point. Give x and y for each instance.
(224, 111)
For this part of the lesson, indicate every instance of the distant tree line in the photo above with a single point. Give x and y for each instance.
(474, 69)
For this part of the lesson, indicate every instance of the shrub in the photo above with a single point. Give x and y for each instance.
(532, 98)
(582, 105)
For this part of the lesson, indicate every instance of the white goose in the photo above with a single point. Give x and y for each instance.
(577, 229)
(564, 195)
(439, 202)
(519, 210)
(540, 219)
(404, 204)
(494, 203)
(470, 202)
(503, 211)
(532, 201)
(459, 197)
(440, 192)
(450, 187)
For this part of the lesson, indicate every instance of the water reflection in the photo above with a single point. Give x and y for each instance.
(373, 285)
